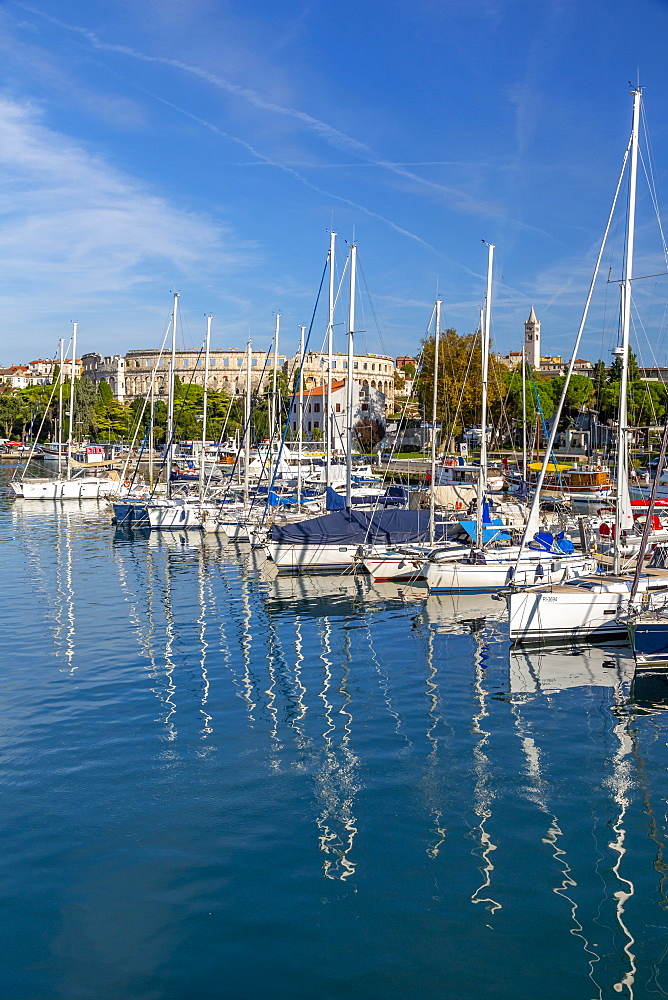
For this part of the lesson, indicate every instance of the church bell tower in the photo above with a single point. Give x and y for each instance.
(532, 340)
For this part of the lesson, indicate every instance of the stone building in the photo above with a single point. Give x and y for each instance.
(130, 376)
(532, 340)
(110, 370)
(547, 365)
(370, 371)
(406, 360)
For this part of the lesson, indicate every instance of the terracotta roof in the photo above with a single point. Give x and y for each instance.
(321, 390)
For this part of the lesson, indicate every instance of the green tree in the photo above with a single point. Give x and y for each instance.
(540, 388)
(459, 382)
(9, 411)
(580, 392)
(615, 369)
(104, 393)
(599, 379)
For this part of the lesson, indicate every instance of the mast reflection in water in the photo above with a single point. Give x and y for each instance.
(217, 782)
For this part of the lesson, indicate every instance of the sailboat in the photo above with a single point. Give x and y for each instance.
(79, 483)
(331, 542)
(484, 566)
(178, 513)
(596, 605)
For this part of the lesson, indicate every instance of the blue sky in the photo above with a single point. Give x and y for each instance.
(208, 147)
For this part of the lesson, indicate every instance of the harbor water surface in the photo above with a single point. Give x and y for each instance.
(216, 783)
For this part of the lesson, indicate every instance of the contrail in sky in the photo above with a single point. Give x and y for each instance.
(303, 180)
(333, 136)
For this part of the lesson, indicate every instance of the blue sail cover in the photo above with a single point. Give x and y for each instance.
(334, 500)
(492, 529)
(382, 527)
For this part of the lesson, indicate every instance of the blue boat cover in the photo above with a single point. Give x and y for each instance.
(543, 541)
(384, 527)
(492, 529)
(334, 500)
(277, 500)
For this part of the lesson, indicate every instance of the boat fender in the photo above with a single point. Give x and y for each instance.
(599, 468)
(459, 505)
(127, 484)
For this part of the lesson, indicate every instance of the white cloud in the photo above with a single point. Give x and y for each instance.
(75, 230)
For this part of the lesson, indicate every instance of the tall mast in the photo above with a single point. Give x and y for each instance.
(170, 397)
(247, 414)
(524, 416)
(300, 420)
(204, 406)
(61, 345)
(151, 417)
(274, 408)
(329, 419)
(623, 506)
(70, 436)
(349, 385)
(434, 413)
(482, 478)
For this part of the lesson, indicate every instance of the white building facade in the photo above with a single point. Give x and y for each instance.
(370, 371)
(368, 404)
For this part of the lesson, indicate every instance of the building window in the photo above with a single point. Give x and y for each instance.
(338, 407)
(137, 364)
(309, 425)
(355, 364)
(226, 362)
(365, 366)
(316, 407)
(254, 361)
(365, 406)
(316, 425)
(373, 368)
(345, 364)
(240, 361)
(294, 425)
(199, 362)
(212, 362)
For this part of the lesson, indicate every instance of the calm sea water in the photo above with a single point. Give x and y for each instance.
(217, 784)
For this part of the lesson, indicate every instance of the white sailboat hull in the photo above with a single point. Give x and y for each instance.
(84, 488)
(178, 516)
(562, 612)
(589, 608)
(534, 568)
(395, 566)
(311, 558)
